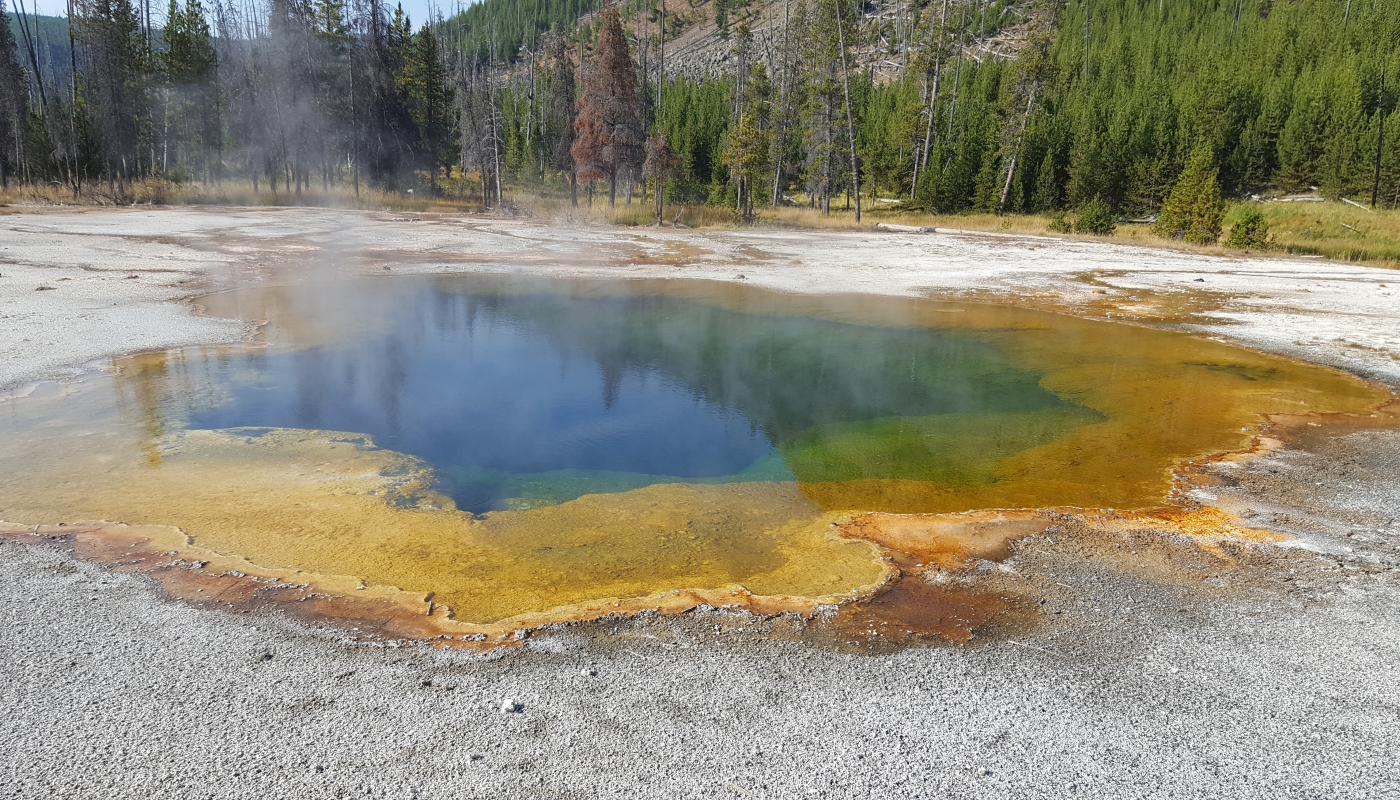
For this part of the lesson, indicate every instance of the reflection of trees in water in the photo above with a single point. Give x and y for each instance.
(142, 391)
(458, 371)
(158, 391)
(786, 373)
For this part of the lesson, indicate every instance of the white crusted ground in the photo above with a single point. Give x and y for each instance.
(1331, 313)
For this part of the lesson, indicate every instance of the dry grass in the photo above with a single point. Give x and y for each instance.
(154, 191)
(1334, 230)
(640, 213)
(799, 217)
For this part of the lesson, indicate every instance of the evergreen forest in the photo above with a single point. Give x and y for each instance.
(948, 106)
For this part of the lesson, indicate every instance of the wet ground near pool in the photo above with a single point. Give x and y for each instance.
(512, 452)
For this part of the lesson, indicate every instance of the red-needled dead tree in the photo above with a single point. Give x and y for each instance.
(609, 141)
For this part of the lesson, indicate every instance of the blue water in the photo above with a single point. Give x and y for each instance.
(549, 390)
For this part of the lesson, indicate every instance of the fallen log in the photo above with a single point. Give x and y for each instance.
(894, 228)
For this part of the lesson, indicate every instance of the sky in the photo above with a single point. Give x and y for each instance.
(417, 9)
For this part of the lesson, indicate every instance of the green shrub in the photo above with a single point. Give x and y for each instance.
(1058, 223)
(1096, 218)
(1250, 232)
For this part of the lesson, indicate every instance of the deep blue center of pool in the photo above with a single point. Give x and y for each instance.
(564, 392)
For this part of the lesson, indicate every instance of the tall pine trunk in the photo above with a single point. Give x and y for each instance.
(850, 124)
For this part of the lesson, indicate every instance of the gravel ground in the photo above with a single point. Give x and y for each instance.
(1150, 670)
(1142, 691)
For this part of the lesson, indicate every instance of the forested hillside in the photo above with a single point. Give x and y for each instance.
(951, 105)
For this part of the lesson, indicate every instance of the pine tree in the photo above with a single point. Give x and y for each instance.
(749, 144)
(1033, 70)
(189, 67)
(694, 119)
(659, 166)
(1096, 218)
(431, 96)
(746, 153)
(1345, 166)
(1046, 196)
(823, 124)
(610, 141)
(560, 115)
(115, 63)
(1251, 231)
(14, 108)
(387, 132)
(1193, 210)
(334, 47)
(1304, 136)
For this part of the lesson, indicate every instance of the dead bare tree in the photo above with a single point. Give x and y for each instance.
(850, 123)
(931, 101)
